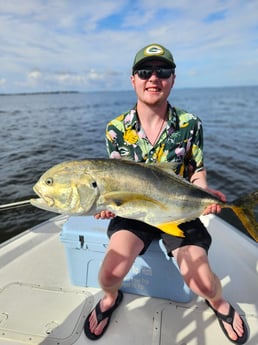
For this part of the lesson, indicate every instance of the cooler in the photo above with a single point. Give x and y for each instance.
(152, 274)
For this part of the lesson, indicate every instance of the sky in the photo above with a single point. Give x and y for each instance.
(83, 45)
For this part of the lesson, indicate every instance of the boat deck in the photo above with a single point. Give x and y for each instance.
(38, 304)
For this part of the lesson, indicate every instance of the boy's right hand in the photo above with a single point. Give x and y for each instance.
(104, 215)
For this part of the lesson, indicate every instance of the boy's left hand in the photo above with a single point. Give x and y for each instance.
(214, 208)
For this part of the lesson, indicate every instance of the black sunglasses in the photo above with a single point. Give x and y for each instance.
(161, 72)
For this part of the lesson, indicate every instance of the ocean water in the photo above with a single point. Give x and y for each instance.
(40, 130)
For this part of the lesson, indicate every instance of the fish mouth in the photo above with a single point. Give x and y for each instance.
(47, 200)
(40, 203)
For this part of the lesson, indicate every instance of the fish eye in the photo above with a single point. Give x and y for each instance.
(49, 181)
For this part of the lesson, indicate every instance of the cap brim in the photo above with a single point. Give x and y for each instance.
(154, 58)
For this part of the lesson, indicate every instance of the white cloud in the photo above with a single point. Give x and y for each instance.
(55, 44)
(34, 75)
(91, 79)
(2, 81)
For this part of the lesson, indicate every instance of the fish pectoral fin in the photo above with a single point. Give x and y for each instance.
(171, 228)
(122, 198)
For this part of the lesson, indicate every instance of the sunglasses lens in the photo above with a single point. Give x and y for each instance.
(146, 73)
(164, 73)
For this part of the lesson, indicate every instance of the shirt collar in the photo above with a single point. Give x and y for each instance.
(132, 119)
(172, 122)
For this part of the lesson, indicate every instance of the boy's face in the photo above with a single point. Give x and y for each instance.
(153, 88)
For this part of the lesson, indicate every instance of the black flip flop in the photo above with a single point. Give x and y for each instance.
(229, 318)
(101, 316)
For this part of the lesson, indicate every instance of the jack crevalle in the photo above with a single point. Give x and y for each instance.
(148, 192)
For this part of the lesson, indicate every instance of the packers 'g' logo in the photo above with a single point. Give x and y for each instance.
(153, 50)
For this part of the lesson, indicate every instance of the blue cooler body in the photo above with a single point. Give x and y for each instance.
(152, 274)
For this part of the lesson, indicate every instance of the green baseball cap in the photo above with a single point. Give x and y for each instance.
(153, 52)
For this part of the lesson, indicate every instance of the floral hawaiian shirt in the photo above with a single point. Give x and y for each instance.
(181, 141)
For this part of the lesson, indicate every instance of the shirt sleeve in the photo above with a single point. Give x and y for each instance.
(196, 159)
(112, 138)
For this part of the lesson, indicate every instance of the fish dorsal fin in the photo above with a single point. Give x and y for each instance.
(167, 167)
(122, 198)
(171, 228)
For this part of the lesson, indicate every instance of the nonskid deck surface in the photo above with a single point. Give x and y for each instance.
(38, 304)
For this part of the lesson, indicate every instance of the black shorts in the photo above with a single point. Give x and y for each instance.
(194, 231)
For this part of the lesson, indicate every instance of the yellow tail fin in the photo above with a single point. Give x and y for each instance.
(244, 209)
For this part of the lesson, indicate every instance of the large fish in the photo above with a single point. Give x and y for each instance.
(148, 192)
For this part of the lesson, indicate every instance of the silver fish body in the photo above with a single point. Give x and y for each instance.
(147, 192)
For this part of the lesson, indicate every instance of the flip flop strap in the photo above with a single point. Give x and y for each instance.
(101, 315)
(229, 318)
